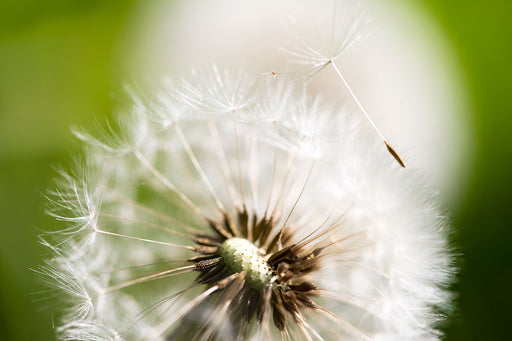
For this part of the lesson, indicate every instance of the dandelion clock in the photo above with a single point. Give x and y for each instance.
(234, 204)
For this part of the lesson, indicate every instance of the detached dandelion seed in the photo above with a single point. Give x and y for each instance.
(345, 30)
(233, 207)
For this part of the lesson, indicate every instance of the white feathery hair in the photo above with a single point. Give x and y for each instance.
(226, 143)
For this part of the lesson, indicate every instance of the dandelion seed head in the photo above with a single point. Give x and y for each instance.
(234, 205)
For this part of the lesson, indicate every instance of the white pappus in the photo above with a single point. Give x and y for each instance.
(235, 206)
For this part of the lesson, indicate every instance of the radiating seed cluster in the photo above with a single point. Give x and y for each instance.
(238, 207)
(271, 269)
(291, 230)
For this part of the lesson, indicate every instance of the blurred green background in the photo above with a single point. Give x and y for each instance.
(61, 60)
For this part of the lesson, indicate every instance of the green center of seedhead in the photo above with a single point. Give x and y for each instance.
(239, 254)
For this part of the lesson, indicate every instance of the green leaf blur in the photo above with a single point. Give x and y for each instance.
(482, 35)
(58, 63)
